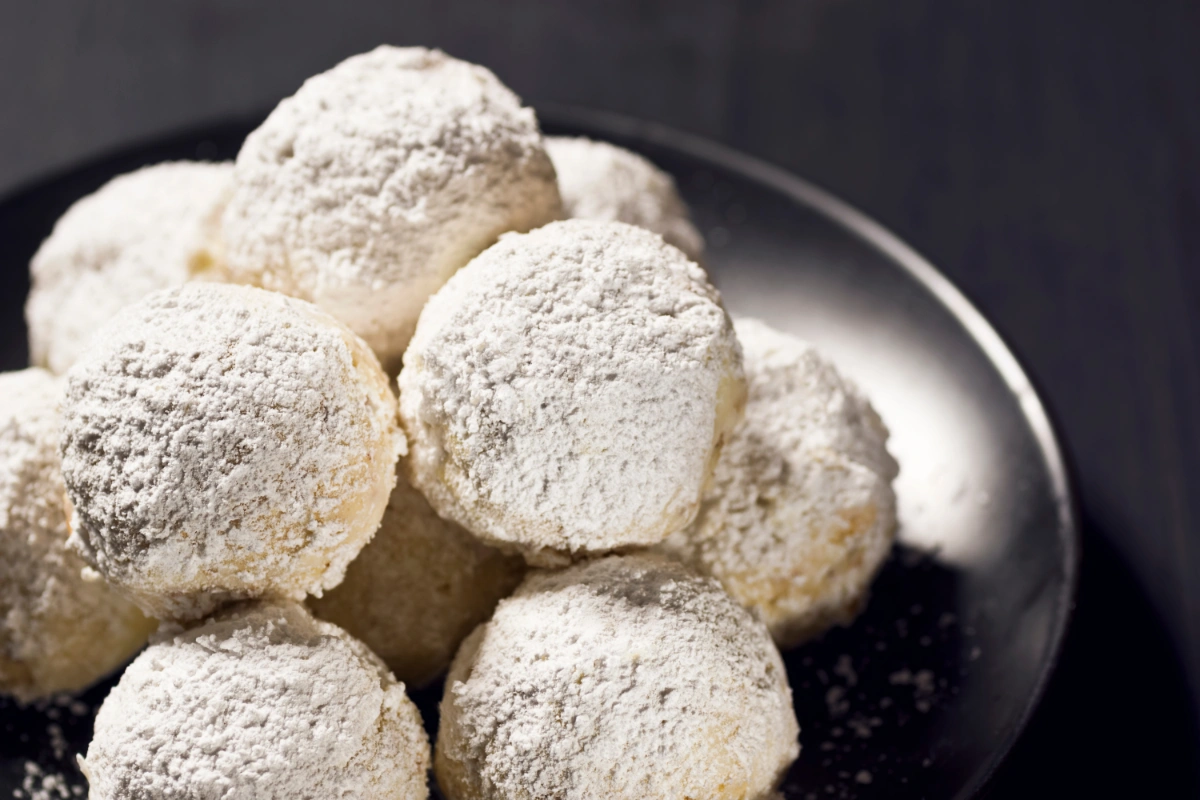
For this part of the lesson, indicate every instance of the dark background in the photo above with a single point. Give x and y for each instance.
(1045, 154)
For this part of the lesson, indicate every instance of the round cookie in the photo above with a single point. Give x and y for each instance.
(801, 512)
(143, 231)
(568, 391)
(626, 677)
(263, 701)
(377, 180)
(58, 631)
(419, 587)
(601, 181)
(222, 442)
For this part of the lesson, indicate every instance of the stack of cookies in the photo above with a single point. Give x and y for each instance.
(407, 388)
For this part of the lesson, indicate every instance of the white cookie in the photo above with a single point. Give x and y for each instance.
(568, 391)
(627, 677)
(58, 632)
(261, 702)
(222, 442)
(801, 513)
(601, 181)
(377, 180)
(147, 230)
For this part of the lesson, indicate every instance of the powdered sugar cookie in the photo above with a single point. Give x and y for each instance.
(58, 632)
(263, 701)
(568, 391)
(222, 442)
(601, 181)
(801, 513)
(626, 677)
(147, 230)
(377, 180)
(419, 587)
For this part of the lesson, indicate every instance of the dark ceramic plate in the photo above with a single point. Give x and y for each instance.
(928, 690)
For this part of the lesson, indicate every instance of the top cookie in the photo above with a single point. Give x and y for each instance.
(377, 180)
(568, 391)
(601, 181)
(221, 442)
(144, 231)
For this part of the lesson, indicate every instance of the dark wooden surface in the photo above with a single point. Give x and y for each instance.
(1045, 155)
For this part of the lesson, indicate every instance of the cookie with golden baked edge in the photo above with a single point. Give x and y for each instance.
(222, 442)
(421, 585)
(801, 513)
(59, 632)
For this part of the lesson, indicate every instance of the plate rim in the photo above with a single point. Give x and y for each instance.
(825, 204)
(976, 325)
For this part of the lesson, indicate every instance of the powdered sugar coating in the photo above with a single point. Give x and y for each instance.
(801, 513)
(419, 587)
(568, 391)
(601, 181)
(150, 229)
(58, 632)
(626, 677)
(378, 179)
(222, 442)
(263, 702)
